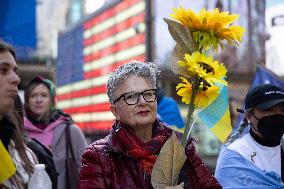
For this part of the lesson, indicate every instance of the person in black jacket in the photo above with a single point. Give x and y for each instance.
(43, 154)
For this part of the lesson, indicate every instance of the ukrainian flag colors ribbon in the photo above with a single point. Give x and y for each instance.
(216, 116)
(7, 167)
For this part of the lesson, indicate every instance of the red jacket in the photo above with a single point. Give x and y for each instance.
(106, 165)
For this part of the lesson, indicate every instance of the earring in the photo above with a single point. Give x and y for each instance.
(116, 126)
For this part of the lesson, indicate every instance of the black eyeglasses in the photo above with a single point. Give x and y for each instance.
(132, 98)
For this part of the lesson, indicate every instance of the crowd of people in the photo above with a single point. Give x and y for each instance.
(37, 132)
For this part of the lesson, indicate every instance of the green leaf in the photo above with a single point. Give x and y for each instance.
(182, 36)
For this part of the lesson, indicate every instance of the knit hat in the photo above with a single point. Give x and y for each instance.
(46, 82)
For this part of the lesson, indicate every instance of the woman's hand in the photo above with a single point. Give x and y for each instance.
(175, 187)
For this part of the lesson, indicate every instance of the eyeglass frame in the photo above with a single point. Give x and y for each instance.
(140, 93)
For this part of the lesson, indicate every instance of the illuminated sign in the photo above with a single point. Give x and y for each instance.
(109, 39)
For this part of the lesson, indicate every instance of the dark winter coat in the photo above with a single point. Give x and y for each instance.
(106, 165)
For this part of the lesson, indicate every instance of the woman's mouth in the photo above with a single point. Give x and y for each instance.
(13, 93)
(143, 113)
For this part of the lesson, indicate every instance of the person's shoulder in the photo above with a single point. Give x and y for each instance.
(102, 143)
(227, 161)
(97, 152)
(228, 153)
(99, 146)
(240, 142)
(241, 145)
(74, 127)
(231, 159)
(76, 133)
(37, 147)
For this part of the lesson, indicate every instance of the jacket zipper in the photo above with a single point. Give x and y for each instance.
(145, 175)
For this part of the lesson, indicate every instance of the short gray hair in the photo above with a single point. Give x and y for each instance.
(147, 70)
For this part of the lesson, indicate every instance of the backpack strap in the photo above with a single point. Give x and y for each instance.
(69, 142)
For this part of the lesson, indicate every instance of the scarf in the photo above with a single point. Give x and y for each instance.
(54, 116)
(145, 153)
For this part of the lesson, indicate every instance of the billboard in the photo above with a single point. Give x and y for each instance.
(18, 26)
(275, 29)
(110, 37)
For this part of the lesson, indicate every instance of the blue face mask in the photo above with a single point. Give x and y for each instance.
(271, 128)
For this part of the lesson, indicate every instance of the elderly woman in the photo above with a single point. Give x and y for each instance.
(48, 125)
(125, 158)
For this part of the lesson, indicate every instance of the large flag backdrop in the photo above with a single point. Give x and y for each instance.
(89, 52)
(262, 76)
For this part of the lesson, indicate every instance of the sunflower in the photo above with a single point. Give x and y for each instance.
(204, 97)
(204, 67)
(209, 28)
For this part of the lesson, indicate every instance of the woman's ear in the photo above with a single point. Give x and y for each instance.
(113, 109)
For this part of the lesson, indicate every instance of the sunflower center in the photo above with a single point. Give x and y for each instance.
(206, 67)
(205, 85)
(204, 88)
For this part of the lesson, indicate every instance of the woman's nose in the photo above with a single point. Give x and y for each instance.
(15, 78)
(38, 99)
(141, 100)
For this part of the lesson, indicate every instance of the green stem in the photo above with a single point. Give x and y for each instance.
(189, 118)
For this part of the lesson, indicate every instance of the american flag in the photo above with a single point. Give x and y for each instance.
(88, 52)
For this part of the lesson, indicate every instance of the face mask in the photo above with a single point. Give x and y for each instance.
(271, 128)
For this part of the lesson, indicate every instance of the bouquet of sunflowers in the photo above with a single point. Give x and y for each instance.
(197, 37)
